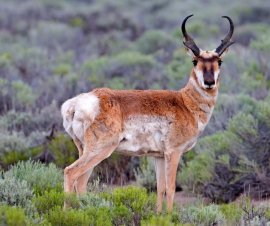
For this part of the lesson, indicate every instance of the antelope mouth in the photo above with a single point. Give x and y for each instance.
(209, 87)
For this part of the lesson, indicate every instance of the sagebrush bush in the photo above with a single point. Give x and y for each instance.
(178, 69)
(100, 216)
(39, 176)
(146, 175)
(48, 200)
(58, 216)
(12, 216)
(14, 191)
(63, 150)
(159, 220)
(24, 95)
(124, 66)
(122, 215)
(135, 200)
(155, 40)
(232, 213)
(202, 215)
(195, 174)
(93, 200)
(12, 142)
(226, 164)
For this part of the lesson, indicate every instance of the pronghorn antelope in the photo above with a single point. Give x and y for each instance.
(159, 123)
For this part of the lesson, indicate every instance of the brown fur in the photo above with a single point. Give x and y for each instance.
(185, 110)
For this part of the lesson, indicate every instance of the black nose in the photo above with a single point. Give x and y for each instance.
(209, 82)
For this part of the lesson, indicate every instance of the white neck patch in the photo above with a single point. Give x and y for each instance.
(199, 89)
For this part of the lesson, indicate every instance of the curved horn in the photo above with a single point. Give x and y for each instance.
(226, 42)
(189, 43)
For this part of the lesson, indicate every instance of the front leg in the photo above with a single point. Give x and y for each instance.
(161, 184)
(171, 164)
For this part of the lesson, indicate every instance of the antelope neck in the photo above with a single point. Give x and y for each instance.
(198, 100)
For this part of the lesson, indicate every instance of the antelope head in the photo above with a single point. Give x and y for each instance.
(207, 63)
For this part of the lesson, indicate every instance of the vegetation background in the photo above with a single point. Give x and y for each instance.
(53, 50)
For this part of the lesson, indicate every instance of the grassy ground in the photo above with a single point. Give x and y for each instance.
(32, 194)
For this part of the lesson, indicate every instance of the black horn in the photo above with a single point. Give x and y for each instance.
(226, 42)
(189, 43)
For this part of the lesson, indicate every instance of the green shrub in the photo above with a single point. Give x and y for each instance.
(136, 200)
(64, 150)
(262, 43)
(202, 215)
(39, 176)
(15, 192)
(154, 40)
(77, 22)
(90, 199)
(58, 216)
(254, 214)
(178, 69)
(12, 142)
(248, 129)
(117, 83)
(5, 59)
(131, 66)
(146, 175)
(48, 201)
(197, 172)
(267, 214)
(101, 216)
(263, 113)
(95, 69)
(15, 148)
(62, 69)
(232, 213)
(134, 60)
(12, 216)
(23, 94)
(158, 221)
(12, 157)
(122, 215)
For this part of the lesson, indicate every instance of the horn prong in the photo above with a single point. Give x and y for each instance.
(188, 42)
(226, 42)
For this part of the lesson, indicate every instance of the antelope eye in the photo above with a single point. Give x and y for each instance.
(194, 62)
(220, 62)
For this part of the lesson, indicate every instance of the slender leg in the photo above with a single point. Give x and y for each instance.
(161, 183)
(81, 184)
(79, 146)
(88, 160)
(171, 163)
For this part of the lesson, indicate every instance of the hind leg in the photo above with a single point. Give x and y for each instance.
(81, 184)
(89, 159)
(79, 145)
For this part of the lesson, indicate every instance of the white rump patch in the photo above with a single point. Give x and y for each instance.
(78, 113)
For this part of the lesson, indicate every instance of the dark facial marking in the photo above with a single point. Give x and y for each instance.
(208, 75)
(219, 62)
(211, 59)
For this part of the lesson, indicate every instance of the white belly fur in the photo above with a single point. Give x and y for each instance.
(144, 134)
